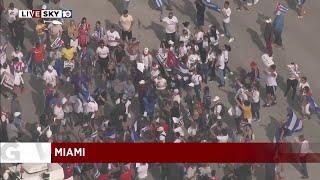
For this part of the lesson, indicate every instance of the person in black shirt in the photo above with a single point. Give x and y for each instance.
(200, 12)
(18, 34)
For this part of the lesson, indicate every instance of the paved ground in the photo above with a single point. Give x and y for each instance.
(301, 45)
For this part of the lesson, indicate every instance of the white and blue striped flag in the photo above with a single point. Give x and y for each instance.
(292, 125)
(313, 105)
(159, 3)
(281, 7)
(211, 5)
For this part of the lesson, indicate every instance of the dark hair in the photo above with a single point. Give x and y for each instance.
(228, 47)
(304, 78)
(84, 18)
(273, 67)
(125, 11)
(213, 172)
(11, 5)
(98, 22)
(219, 52)
(247, 103)
(227, 2)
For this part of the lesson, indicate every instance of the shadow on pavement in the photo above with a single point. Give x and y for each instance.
(256, 39)
(270, 128)
(117, 4)
(188, 9)
(292, 5)
(261, 21)
(213, 20)
(37, 95)
(157, 29)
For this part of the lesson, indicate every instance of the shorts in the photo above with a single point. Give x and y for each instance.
(271, 90)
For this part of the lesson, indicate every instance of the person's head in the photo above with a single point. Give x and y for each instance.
(219, 52)
(213, 172)
(11, 6)
(112, 28)
(247, 103)
(186, 24)
(170, 15)
(184, 32)
(5, 65)
(101, 43)
(301, 138)
(125, 13)
(72, 22)
(227, 47)
(83, 20)
(40, 21)
(37, 44)
(15, 60)
(303, 79)
(226, 4)
(213, 27)
(16, 49)
(98, 23)
(273, 67)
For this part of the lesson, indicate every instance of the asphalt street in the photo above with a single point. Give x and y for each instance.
(301, 45)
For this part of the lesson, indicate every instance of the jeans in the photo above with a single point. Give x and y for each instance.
(171, 36)
(197, 90)
(226, 28)
(205, 71)
(269, 48)
(220, 76)
(255, 108)
(304, 169)
(291, 84)
(126, 34)
(278, 38)
(200, 18)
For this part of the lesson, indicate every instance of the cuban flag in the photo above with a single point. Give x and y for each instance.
(281, 7)
(211, 5)
(159, 3)
(84, 93)
(292, 125)
(176, 66)
(313, 105)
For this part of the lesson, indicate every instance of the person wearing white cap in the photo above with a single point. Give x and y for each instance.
(218, 108)
(55, 29)
(172, 26)
(161, 83)
(268, 31)
(50, 76)
(146, 58)
(176, 96)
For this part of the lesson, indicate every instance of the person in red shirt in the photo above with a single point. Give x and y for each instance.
(127, 173)
(37, 55)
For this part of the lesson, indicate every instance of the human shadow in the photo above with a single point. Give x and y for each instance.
(108, 25)
(37, 95)
(256, 39)
(188, 9)
(270, 128)
(156, 28)
(117, 5)
(261, 21)
(152, 5)
(213, 20)
(292, 5)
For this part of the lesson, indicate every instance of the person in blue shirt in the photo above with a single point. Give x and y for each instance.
(278, 25)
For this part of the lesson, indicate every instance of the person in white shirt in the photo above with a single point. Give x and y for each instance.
(50, 76)
(172, 27)
(293, 79)
(103, 57)
(126, 23)
(303, 83)
(161, 83)
(113, 37)
(219, 68)
(17, 53)
(12, 16)
(226, 13)
(142, 170)
(196, 79)
(225, 54)
(58, 111)
(254, 96)
(213, 35)
(304, 150)
(146, 59)
(193, 59)
(271, 85)
(217, 108)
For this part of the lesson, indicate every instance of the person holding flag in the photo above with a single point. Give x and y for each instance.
(278, 23)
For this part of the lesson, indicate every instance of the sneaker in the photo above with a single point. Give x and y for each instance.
(266, 105)
(68, 79)
(222, 35)
(225, 77)
(231, 39)
(231, 73)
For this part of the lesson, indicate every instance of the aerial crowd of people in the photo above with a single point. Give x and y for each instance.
(102, 84)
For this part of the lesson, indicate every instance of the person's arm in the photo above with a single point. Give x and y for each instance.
(131, 25)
